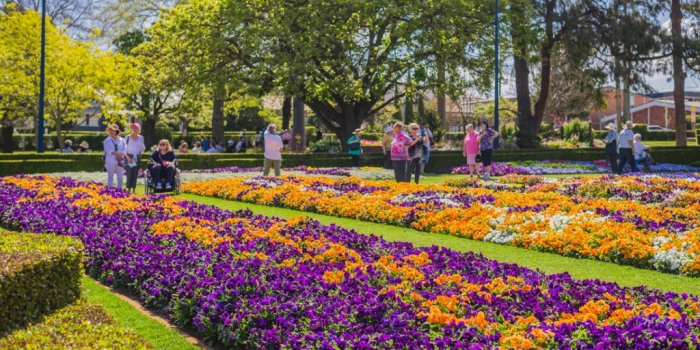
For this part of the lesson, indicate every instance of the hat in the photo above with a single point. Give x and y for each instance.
(113, 127)
(611, 126)
(357, 131)
(230, 142)
(135, 126)
(629, 124)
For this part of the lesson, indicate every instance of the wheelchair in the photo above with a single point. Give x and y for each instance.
(150, 182)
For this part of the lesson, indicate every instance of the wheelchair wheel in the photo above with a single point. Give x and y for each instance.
(147, 185)
(176, 187)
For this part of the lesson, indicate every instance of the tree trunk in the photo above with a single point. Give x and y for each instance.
(148, 129)
(286, 112)
(7, 140)
(217, 119)
(299, 132)
(59, 134)
(626, 103)
(678, 74)
(527, 129)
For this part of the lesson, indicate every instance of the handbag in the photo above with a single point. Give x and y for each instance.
(478, 158)
(355, 146)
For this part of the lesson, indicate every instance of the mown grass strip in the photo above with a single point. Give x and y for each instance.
(549, 263)
(157, 334)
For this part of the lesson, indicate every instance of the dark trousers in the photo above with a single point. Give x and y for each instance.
(158, 173)
(355, 160)
(626, 156)
(387, 161)
(413, 167)
(612, 159)
(400, 170)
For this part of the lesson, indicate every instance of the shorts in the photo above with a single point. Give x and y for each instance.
(486, 156)
(471, 159)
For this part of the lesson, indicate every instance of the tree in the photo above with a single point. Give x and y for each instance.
(351, 55)
(538, 26)
(575, 87)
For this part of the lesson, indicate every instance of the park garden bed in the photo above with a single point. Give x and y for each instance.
(241, 280)
(648, 221)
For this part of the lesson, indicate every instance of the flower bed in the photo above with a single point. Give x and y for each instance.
(645, 221)
(565, 167)
(241, 280)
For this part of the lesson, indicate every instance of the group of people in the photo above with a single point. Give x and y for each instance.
(478, 148)
(122, 156)
(626, 148)
(211, 145)
(83, 147)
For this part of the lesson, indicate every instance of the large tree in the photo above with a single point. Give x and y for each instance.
(351, 55)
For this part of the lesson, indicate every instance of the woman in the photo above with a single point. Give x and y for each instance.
(611, 146)
(197, 147)
(471, 149)
(114, 149)
(415, 152)
(486, 137)
(67, 147)
(399, 153)
(164, 165)
(84, 147)
(135, 146)
(355, 147)
(184, 147)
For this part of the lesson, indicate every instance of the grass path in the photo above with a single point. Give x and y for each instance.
(128, 316)
(549, 263)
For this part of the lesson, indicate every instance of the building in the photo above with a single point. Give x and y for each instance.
(658, 112)
(609, 93)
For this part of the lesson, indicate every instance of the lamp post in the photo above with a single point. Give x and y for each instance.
(497, 84)
(42, 81)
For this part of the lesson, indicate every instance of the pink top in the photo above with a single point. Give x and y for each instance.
(399, 149)
(471, 143)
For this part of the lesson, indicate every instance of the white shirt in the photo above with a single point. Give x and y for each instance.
(639, 148)
(273, 143)
(624, 139)
(111, 145)
(134, 147)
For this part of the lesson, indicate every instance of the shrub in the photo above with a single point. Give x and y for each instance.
(577, 131)
(40, 273)
(80, 325)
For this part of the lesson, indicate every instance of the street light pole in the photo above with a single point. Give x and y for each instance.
(42, 81)
(496, 77)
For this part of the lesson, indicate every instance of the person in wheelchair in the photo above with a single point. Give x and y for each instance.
(163, 165)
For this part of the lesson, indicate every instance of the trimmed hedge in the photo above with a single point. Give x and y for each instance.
(30, 163)
(40, 273)
(79, 326)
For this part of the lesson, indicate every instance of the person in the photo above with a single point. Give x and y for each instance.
(386, 147)
(486, 137)
(273, 151)
(163, 165)
(231, 146)
(642, 153)
(355, 147)
(471, 149)
(67, 147)
(399, 152)
(241, 145)
(135, 146)
(286, 137)
(218, 145)
(205, 144)
(114, 149)
(241, 134)
(611, 146)
(84, 147)
(319, 135)
(429, 139)
(184, 147)
(625, 144)
(258, 139)
(213, 147)
(415, 152)
(197, 149)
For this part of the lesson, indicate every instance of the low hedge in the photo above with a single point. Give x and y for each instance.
(30, 163)
(81, 325)
(40, 273)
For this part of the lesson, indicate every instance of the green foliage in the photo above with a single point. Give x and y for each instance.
(577, 131)
(81, 325)
(40, 273)
(325, 146)
(506, 108)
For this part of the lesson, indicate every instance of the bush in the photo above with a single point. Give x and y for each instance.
(577, 131)
(79, 326)
(40, 273)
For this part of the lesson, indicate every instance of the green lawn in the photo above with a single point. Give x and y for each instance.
(549, 263)
(158, 335)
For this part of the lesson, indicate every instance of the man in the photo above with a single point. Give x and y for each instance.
(625, 144)
(611, 146)
(273, 151)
